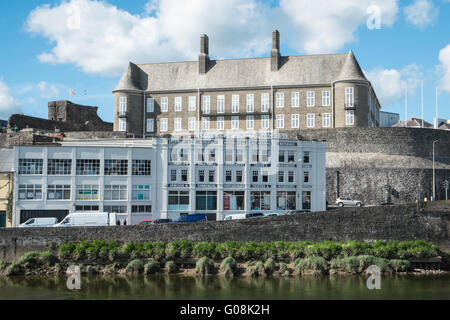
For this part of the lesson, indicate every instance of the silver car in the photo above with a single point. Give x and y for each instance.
(349, 202)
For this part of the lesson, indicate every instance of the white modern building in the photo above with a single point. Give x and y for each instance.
(166, 177)
(388, 119)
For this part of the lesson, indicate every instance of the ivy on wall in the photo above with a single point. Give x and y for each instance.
(9, 206)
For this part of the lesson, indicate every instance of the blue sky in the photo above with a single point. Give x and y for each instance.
(84, 45)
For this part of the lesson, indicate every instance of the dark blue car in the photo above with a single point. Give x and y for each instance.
(192, 218)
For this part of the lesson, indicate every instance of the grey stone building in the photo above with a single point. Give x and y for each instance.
(287, 93)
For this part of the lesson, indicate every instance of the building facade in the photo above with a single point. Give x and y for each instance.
(6, 185)
(164, 178)
(277, 93)
(388, 119)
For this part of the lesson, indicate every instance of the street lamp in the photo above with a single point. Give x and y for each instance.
(434, 174)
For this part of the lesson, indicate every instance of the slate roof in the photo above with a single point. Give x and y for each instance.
(253, 72)
(414, 123)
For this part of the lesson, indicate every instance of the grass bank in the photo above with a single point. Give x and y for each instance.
(229, 258)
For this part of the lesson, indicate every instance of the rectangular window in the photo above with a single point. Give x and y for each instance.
(142, 167)
(178, 200)
(58, 192)
(310, 120)
(265, 176)
(192, 103)
(250, 122)
(206, 104)
(228, 176)
(150, 125)
(286, 200)
(306, 200)
(191, 124)
(141, 209)
(235, 123)
(212, 175)
(265, 122)
(310, 99)
(150, 105)
(184, 175)
(164, 104)
(233, 200)
(294, 121)
(201, 175)
(280, 100)
(115, 209)
(306, 176)
(280, 121)
(349, 102)
(291, 176)
(88, 192)
(123, 105)
(177, 124)
(87, 208)
(291, 156)
(239, 176)
(250, 103)
(116, 192)
(350, 117)
(220, 123)
(30, 192)
(228, 156)
(255, 176)
(239, 155)
(295, 100)
(88, 167)
(122, 124)
(281, 176)
(205, 124)
(265, 102)
(31, 166)
(164, 122)
(178, 104)
(306, 157)
(235, 103)
(59, 167)
(206, 200)
(260, 200)
(140, 193)
(173, 175)
(326, 98)
(326, 120)
(116, 167)
(220, 104)
(281, 156)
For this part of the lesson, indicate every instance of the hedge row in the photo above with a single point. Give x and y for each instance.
(244, 251)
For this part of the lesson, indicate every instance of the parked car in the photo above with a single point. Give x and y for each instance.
(161, 221)
(347, 201)
(39, 223)
(254, 215)
(145, 223)
(192, 218)
(298, 211)
(88, 219)
(236, 216)
(272, 214)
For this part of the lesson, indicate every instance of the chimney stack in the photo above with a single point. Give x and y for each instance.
(203, 59)
(275, 56)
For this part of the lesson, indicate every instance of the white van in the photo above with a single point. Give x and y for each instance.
(88, 219)
(236, 216)
(39, 223)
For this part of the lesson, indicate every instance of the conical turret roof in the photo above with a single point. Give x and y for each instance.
(351, 69)
(130, 78)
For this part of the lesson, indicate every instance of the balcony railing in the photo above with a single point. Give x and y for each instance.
(122, 114)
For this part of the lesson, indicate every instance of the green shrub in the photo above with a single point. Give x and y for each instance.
(2, 265)
(91, 270)
(15, 269)
(154, 250)
(135, 267)
(269, 266)
(91, 254)
(178, 249)
(204, 266)
(152, 267)
(311, 264)
(399, 265)
(282, 268)
(170, 267)
(206, 249)
(65, 251)
(228, 267)
(79, 253)
(255, 269)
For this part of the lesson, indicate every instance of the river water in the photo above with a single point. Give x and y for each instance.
(213, 287)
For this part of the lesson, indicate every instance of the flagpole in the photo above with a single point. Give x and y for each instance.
(406, 104)
(422, 103)
(436, 124)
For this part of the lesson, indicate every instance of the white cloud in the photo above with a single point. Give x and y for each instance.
(421, 13)
(389, 84)
(101, 38)
(8, 104)
(444, 58)
(323, 26)
(48, 90)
